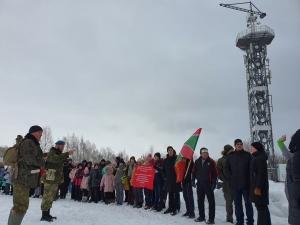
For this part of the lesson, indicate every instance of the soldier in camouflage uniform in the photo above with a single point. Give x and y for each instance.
(53, 177)
(26, 174)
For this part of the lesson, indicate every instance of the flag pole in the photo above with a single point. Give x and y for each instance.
(187, 168)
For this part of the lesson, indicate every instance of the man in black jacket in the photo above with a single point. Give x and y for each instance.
(172, 187)
(206, 173)
(238, 173)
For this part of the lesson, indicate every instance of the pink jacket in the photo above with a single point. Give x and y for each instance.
(72, 174)
(85, 182)
(108, 181)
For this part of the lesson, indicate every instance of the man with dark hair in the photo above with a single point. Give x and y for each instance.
(27, 174)
(206, 173)
(238, 173)
(172, 187)
(53, 177)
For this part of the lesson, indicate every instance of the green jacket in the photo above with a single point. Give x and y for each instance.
(222, 174)
(30, 162)
(54, 166)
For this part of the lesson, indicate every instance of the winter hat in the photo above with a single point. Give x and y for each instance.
(86, 170)
(35, 128)
(118, 158)
(108, 170)
(60, 142)
(203, 150)
(148, 158)
(227, 148)
(295, 142)
(258, 146)
(121, 161)
(157, 154)
(237, 141)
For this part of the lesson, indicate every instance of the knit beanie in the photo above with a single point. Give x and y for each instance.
(258, 146)
(237, 141)
(227, 148)
(203, 150)
(35, 128)
(157, 154)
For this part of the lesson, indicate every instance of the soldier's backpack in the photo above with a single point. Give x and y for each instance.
(11, 155)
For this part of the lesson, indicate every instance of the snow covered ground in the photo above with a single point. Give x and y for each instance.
(76, 213)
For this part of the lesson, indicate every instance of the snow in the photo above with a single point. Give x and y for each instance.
(77, 213)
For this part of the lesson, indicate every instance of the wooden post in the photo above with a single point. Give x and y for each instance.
(187, 168)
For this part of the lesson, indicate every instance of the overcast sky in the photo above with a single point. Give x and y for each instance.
(128, 74)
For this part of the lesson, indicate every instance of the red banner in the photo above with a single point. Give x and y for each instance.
(144, 177)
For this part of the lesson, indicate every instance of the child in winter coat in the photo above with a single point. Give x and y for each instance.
(138, 192)
(72, 175)
(108, 182)
(120, 181)
(95, 183)
(77, 182)
(84, 186)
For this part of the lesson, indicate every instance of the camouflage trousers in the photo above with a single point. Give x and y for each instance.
(50, 191)
(20, 198)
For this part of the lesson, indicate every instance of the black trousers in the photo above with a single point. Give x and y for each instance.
(64, 188)
(78, 193)
(95, 191)
(202, 190)
(173, 200)
(263, 215)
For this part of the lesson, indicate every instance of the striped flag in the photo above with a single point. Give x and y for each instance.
(186, 152)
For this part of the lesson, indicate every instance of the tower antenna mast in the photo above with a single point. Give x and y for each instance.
(253, 42)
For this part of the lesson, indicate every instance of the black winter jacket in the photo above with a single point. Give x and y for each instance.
(66, 171)
(294, 196)
(158, 178)
(237, 169)
(95, 179)
(259, 178)
(207, 172)
(168, 172)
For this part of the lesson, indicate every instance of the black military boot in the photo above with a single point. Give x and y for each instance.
(52, 217)
(45, 216)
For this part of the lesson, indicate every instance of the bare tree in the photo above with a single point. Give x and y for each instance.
(47, 140)
(2, 150)
(247, 145)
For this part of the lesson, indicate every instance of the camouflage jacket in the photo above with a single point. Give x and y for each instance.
(30, 162)
(54, 165)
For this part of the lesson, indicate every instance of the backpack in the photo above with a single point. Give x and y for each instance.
(11, 155)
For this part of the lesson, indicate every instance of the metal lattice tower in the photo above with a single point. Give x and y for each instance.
(253, 41)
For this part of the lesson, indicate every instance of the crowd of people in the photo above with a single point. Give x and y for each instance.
(244, 176)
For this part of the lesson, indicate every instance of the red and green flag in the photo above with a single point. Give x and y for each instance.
(186, 152)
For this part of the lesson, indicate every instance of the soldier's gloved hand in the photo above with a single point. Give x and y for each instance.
(193, 183)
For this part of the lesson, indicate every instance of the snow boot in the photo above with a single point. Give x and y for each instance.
(186, 214)
(210, 222)
(51, 217)
(200, 219)
(15, 219)
(158, 209)
(174, 212)
(168, 211)
(45, 216)
(192, 215)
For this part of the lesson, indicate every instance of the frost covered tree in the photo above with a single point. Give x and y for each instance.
(47, 140)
